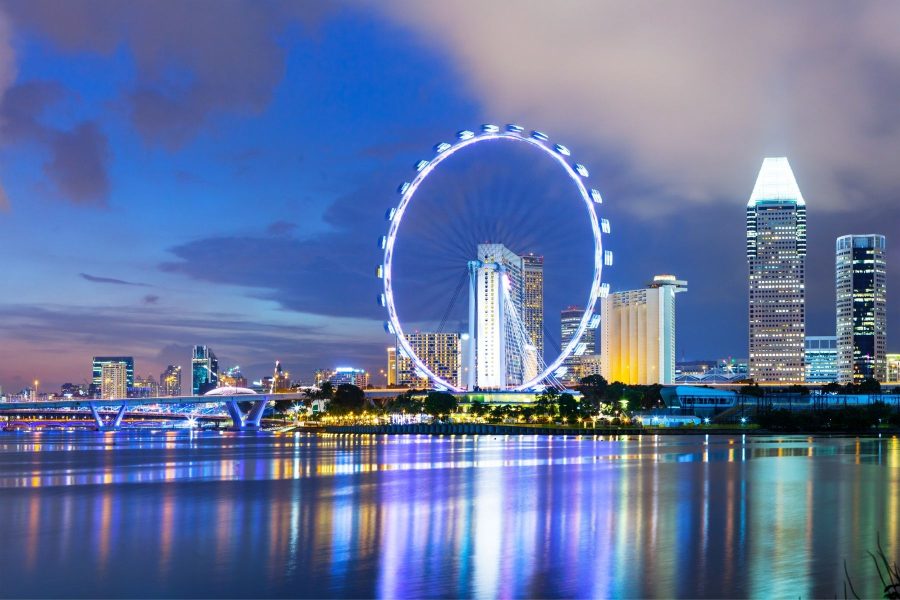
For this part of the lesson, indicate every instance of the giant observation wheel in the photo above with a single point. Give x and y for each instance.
(591, 198)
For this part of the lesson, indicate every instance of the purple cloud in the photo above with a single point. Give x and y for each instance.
(111, 280)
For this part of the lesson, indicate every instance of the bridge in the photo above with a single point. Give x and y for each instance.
(241, 420)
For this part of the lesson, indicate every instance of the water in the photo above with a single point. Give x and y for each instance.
(175, 514)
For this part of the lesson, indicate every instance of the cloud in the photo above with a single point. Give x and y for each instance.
(112, 280)
(193, 60)
(281, 228)
(692, 97)
(79, 157)
(151, 299)
(7, 76)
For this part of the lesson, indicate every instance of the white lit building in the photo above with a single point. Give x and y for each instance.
(861, 291)
(776, 253)
(496, 366)
(637, 333)
(357, 377)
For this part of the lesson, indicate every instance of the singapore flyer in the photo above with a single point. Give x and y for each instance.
(490, 230)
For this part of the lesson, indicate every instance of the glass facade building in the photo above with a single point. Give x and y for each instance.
(204, 371)
(861, 290)
(821, 359)
(776, 253)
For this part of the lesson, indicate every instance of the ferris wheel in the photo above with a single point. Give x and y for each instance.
(511, 338)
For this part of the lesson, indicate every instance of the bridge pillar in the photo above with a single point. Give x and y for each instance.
(119, 416)
(256, 413)
(97, 418)
(237, 417)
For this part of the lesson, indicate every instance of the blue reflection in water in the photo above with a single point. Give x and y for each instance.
(180, 514)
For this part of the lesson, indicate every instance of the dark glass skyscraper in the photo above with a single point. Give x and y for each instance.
(861, 286)
(204, 371)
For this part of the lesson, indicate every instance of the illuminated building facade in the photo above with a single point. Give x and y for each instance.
(584, 360)
(861, 286)
(441, 353)
(97, 372)
(892, 362)
(533, 299)
(204, 370)
(357, 377)
(776, 253)
(637, 333)
(170, 381)
(821, 359)
(232, 377)
(144, 387)
(281, 379)
(113, 380)
(498, 363)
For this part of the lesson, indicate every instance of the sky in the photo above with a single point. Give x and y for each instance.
(217, 172)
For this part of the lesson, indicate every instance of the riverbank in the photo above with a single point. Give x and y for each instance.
(488, 429)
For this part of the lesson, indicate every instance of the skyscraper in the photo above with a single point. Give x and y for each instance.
(281, 379)
(861, 286)
(97, 372)
(170, 381)
(637, 333)
(498, 367)
(533, 299)
(821, 359)
(113, 380)
(776, 252)
(584, 360)
(204, 371)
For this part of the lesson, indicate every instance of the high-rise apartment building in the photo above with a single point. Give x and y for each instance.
(170, 381)
(97, 373)
(776, 252)
(441, 353)
(533, 299)
(637, 333)
(204, 370)
(861, 285)
(113, 380)
(821, 359)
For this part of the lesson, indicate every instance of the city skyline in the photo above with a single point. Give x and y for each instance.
(263, 251)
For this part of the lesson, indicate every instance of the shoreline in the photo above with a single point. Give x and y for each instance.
(486, 429)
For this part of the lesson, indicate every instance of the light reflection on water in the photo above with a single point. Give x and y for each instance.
(183, 514)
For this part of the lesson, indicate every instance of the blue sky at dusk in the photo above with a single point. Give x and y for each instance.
(217, 172)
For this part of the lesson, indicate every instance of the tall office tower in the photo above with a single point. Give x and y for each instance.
(861, 284)
(637, 333)
(776, 252)
(170, 381)
(204, 371)
(97, 373)
(533, 299)
(496, 366)
(584, 360)
(821, 359)
(113, 380)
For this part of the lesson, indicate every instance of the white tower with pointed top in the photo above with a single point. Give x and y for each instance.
(776, 252)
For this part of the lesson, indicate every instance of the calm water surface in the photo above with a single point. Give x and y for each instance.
(176, 514)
